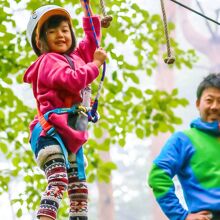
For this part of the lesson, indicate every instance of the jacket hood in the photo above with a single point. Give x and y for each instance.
(212, 128)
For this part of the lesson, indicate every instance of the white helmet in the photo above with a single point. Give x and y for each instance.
(38, 18)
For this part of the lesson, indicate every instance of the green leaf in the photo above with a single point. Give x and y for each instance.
(175, 92)
(110, 165)
(98, 132)
(3, 147)
(19, 213)
(122, 142)
(27, 179)
(8, 81)
(16, 161)
(140, 133)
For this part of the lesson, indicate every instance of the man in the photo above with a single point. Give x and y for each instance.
(194, 156)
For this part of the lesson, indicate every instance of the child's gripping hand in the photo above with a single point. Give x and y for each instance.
(100, 56)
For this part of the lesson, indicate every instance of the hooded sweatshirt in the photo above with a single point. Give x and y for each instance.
(192, 155)
(53, 80)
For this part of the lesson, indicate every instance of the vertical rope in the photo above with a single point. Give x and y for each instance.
(97, 44)
(103, 8)
(170, 59)
(91, 22)
(106, 20)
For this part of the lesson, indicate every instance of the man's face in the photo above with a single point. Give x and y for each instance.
(209, 105)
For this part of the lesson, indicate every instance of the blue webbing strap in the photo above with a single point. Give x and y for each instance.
(80, 164)
(34, 136)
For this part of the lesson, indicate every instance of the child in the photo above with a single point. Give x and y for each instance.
(58, 78)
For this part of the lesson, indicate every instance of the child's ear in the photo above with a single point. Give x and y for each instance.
(38, 44)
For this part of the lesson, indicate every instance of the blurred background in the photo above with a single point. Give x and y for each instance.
(143, 101)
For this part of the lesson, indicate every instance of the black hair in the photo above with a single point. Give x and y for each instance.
(212, 80)
(52, 22)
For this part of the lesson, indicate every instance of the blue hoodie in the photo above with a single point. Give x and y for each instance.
(194, 156)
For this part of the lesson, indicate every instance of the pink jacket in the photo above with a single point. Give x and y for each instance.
(53, 80)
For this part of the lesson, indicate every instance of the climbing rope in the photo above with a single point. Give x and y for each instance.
(105, 22)
(103, 8)
(95, 104)
(170, 59)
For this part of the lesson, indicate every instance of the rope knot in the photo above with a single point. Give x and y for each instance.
(106, 21)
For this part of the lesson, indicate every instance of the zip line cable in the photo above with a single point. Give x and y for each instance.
(198, 13)
(207, 23)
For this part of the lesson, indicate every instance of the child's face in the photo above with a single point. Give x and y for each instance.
(59, 39)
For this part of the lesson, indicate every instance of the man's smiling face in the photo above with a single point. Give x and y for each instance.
(209, 104)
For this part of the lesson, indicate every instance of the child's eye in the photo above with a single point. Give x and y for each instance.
(51, 31)
(65, 31)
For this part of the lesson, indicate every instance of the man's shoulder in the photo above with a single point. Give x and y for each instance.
(180, 135)
(178, 140)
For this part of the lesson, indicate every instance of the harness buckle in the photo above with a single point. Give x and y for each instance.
(83, 110)
(51, 131)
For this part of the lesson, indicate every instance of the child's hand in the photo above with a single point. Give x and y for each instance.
(100, 56)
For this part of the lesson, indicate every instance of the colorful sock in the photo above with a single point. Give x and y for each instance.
(78, 195)
(55, 170)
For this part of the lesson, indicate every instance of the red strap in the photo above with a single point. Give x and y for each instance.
(68, 102)
(43, 122)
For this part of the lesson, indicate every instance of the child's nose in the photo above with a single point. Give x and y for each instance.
(59, 33)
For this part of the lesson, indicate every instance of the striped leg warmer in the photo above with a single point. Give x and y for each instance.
(78, 194)
(55, 170)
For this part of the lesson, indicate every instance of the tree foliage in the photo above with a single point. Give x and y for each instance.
(128, 104)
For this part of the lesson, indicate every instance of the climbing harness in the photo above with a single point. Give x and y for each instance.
(50, 131)
(43, 124)
(105, 22)
(170, 59)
